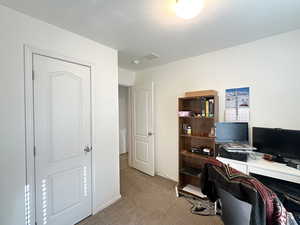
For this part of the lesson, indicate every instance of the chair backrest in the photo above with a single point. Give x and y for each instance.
(234, 211)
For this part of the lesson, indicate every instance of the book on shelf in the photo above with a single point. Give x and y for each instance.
(202, 105)
(207, 107)
(211, 107)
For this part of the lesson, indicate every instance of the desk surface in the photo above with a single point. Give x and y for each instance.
(260, 166)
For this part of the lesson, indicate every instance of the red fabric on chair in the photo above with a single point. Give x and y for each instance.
(266, 207)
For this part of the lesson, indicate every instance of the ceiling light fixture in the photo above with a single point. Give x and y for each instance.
(188, 9)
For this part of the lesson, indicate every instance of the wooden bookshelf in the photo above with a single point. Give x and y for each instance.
(202, 122)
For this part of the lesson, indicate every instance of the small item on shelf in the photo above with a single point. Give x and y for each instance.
(197, 115)
(206, 151)
(184, 113)
(184, 128)
(203, 150)
(189, 130)
(212, 132)
(196, 150)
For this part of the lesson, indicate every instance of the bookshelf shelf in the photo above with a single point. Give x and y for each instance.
(197, 118)
(193, 155)
(197, 137)
(191, 172)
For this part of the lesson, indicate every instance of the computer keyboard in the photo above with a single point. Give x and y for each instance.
(238, 146)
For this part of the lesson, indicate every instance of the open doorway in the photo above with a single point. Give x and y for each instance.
(124, 126)
(136, 127)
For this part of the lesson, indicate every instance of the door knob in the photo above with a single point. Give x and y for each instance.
(87, 149)
(150, 133)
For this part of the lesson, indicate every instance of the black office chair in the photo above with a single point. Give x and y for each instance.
(234, 211)
(244, 199)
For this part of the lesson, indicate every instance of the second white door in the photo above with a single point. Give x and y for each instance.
(62, 129)
(143, 129)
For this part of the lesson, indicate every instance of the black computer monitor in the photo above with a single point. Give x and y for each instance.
(232, 132)
(277, 142)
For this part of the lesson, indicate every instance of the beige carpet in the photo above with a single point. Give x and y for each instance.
(148, 201)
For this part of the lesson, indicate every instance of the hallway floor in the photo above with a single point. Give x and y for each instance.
(148, 201)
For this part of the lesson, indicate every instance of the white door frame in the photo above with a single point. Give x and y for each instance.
(29, 126)
(130, 123)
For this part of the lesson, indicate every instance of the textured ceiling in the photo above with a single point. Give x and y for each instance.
(139, 27)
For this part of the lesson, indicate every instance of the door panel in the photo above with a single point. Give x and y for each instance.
(143, 135)
(66, 135)
(62, 132)
(142, 153)
(141, 109)
(70, 198)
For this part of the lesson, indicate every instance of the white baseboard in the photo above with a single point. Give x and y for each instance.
(106, 204)
(165, 176)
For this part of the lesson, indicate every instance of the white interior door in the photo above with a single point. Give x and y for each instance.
(62, 121)
(143, 129)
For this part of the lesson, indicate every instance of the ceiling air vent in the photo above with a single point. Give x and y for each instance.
(148, 57)
(151, 56)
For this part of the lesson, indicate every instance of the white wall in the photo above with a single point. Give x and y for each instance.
(126, 77)
(17, 30)
(269, 66)
(123, 118)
